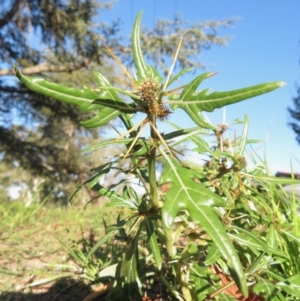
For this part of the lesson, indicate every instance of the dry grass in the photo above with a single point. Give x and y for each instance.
(34, 260)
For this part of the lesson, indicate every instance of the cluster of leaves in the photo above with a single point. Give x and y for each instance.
(61, 40)
(204, 232)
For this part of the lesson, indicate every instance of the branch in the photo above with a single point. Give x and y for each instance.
(45, 68)
(5, 20)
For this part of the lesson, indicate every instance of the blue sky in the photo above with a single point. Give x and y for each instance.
(264, 47)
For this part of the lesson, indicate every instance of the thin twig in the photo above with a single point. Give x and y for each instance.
(173, 65)
(134, 141)
(120, 64)
(45, 68)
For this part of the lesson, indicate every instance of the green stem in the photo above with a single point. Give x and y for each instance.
(153, 188)
(152, 169)
(169, 242)
(184, 287)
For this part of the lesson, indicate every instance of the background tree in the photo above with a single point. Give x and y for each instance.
(41, 139)
(295, 114)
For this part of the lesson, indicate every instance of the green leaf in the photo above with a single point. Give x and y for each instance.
(106, 143)
(271, 238)
(215, 229)
(153, 242)
(260, 263)
(117, 200)
(138, 58)
(104, 116)
(291, 285)
(120, 106)
(180, 73)
(141, 142)
(185, 194)
(187, 133)
(243, 140)
(291, 236)
(273, 180)
(144, 71)
(190, 134)
(102, 241)
(269, 291)
(255, 243)
(94, 179)
(199, 276)
(249, 239)
(84, 98)
(194, 103)
(213, 255)
(129, 268)
(59, 92)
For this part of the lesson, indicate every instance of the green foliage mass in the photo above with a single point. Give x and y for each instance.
(196, 225)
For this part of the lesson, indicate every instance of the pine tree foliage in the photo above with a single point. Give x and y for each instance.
(295, 114)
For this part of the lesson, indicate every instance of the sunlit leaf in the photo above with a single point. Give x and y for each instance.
(179, 74)
(213, 255)
(153, 242)
(249, 239)
(129, 268)
(144, 71)
(117, 200)
(269, 291)
(186, 194)
(102, 241)
(184, 191)
(291, 236)
(273, 180)
(84, 98)
(243, 140)
(200, 276)
(291, 285)
(195, 102)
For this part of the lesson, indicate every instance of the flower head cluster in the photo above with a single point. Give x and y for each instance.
(149, 91)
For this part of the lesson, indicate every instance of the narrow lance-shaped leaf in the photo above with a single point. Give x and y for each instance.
(116, 105)
(92, 180)
(117, 200)
(129, 266)
(243, 140)
(291, 285)
(107, 113)
(194, 103)
(209, 102)
(268, 289)
(144, 71)
(213, 255)
(59, 92)
(84, 98)
(153, 242)
(190, 134)
(179, 74)
(138, 58)
(272, 180)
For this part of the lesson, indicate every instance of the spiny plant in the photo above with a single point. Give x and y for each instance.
(219, 230)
